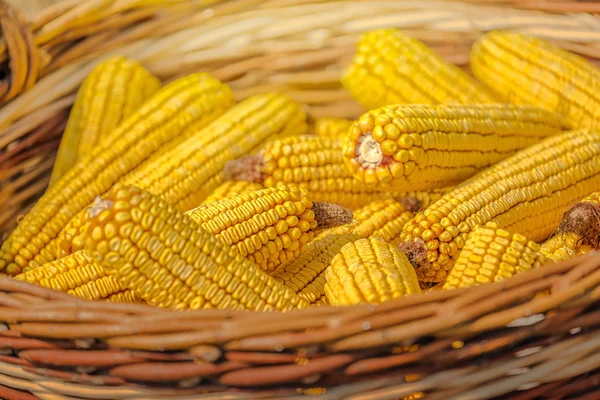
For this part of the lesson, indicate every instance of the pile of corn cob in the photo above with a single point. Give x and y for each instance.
(177, 197)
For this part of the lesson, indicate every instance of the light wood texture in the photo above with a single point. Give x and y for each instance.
(30, 7)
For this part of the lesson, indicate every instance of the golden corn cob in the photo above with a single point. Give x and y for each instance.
(332, 127)
(304, 274)
(525, 193)
(578, 232)
(315, 164)
(492, 254)
(419, 147)
(539, 74)
(113, 91)
(390, 67)
(165, 258)
(195, 99)
(187, 174)
(231, 188)
(369, 270)
(124, 296)
(76, 274)
(268, 226)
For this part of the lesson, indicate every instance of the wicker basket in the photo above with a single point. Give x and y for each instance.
(494, 341)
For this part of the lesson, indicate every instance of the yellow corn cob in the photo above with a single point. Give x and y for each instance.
(187, 174)
(268, 226)
(304, 274)
(418, 147)
(579, 231)
(322, 301)
(525, 193)
(369, 270)
(392, 68)
(382, 218)
(231, 188)
(113, 91)
(492, 254)
(76, 274)
(165, 258)
(195, 99)
(315, 164)
(332, 127)
(124, 296)
(540, 74)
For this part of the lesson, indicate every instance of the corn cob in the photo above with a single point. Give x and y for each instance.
(124, 296)
(369, 271)
(187, 174)
(525, 193)
(196, 99)
(492, 254)
(315, 164)
(563, 246)
(268, 226)
(76, 274)
(231, 188)
(305, 274)
(113, 91)
(165, 258)
(419, 147)
(539, 74)
(332, 127)
(390, 67)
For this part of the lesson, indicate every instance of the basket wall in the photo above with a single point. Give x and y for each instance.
(493, 341)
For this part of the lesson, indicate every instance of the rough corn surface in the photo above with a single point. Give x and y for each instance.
(390, 67)
(563, 246)
(491, 255)
(267, 226)
(113, 91)
(332, 127)
(188, 173)
(76, 274)
(369, 270)
(231, 188)
(526, 193)
(419, 147)
(163, 256)
(316, 164)
(197, 97)
(540, 74)
(305, 274)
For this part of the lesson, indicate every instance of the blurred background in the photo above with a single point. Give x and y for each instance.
(29, 7)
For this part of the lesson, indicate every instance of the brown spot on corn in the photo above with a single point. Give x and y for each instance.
(164, 257)
(315, 164)
(268, 226)
(187, 174)
(369, 270)
(420, 147)
(491, 255)
(76, 274)
(112, 92)
(584, 220)
(390, 67)
(539, 74)
(527, 193)
(195, 99)
(332, 127)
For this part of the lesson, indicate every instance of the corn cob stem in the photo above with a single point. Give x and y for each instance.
(392, 68)
(540, 74)
(187, 174)
(492, 254)
(198, 97)
(163, 256)
(369, 271)
(113, 91)
(419, 147)
(269, 226)
(316, 164)
(525, 193)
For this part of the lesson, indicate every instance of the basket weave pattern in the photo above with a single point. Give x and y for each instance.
(494, 341)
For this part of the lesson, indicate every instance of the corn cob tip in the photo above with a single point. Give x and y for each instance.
(247, 168)
(330, 215)
(416, 252)
(583, 219)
